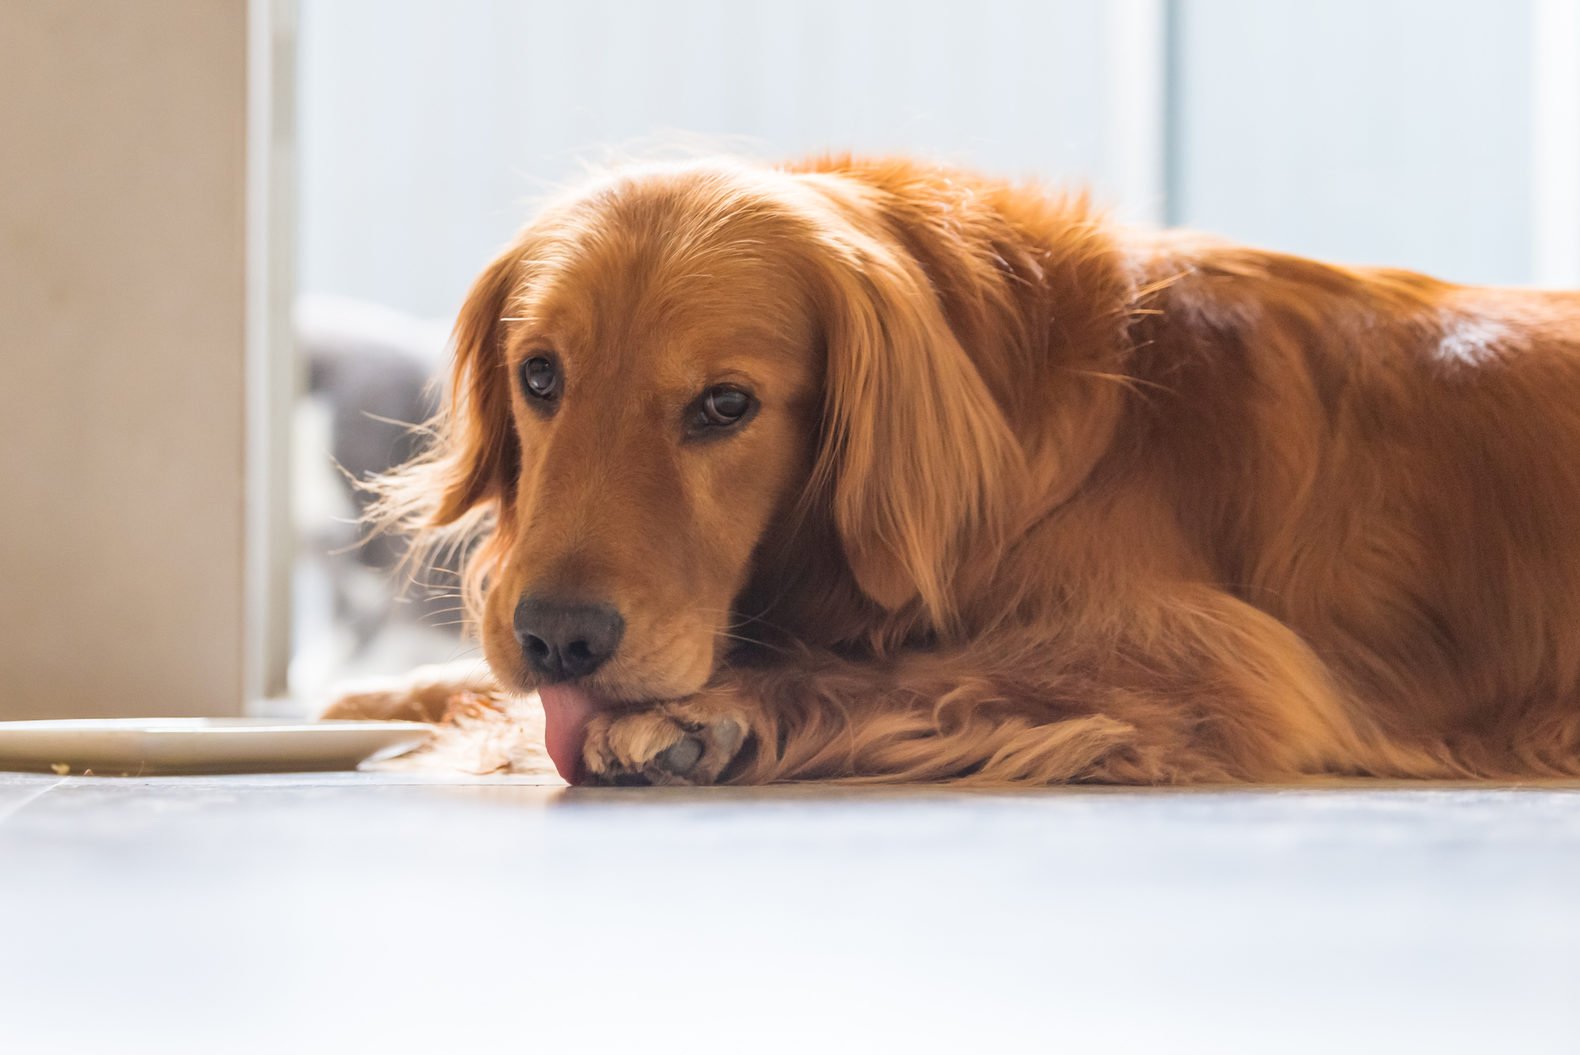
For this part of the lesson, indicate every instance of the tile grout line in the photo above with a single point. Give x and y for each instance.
(12, 810)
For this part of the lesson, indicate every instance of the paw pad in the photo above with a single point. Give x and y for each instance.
(681, 757)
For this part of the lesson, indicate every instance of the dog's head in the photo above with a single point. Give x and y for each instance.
(682, 378)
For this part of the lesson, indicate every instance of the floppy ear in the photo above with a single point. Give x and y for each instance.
(448, 497)
(916, 455)
(478, 458)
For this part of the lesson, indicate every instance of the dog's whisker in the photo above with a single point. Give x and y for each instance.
(741, 620)
(756, 643)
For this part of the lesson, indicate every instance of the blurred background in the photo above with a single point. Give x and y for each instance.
(297, 193)
(1401, 132)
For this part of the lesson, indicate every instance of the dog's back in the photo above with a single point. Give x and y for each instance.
(1387, 463)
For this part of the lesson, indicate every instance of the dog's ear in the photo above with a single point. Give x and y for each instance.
(478, 456)
(915, 455)
(464, 483)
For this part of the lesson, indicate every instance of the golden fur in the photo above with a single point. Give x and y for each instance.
(1029, 499)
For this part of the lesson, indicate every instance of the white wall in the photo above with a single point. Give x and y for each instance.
(1385, 131)
(1371, 131)
(427, 128)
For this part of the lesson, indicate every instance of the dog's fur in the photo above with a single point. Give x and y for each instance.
(1029, 498)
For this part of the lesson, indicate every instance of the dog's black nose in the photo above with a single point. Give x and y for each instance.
(563, 640)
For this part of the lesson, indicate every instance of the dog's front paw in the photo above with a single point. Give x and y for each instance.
(688, 742)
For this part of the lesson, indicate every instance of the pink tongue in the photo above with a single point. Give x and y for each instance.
(566, 712)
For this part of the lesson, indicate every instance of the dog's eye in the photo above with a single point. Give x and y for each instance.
(540, 378)
(720, 407)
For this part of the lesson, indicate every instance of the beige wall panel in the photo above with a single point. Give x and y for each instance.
(122, 321)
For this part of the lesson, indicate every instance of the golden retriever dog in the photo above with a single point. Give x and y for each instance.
(875, 469)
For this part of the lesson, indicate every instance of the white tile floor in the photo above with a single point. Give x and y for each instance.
(364, 912)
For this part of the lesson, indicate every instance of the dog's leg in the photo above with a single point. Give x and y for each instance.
(1202, 689)
(425, 694)
(923, 717)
